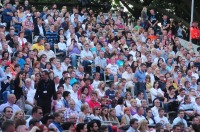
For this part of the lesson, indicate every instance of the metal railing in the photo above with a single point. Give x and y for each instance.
(184, 43)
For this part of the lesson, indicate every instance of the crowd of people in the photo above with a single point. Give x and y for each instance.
(84, 71)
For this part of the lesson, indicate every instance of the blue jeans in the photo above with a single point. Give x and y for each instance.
(28, 35)
(111, 76)
(62, 51)
(85, 64)
(140, 86)
(5, 96)
(18, 27)
(74, 60)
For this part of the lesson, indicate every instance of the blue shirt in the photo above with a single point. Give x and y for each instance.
(6, 17)
(21, 62)
(140, 76)
(120, 63)
(72, 81)
(58, 126)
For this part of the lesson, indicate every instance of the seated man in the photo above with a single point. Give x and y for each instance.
(7, 114)
(113, 70)
(180, 118)
(188, 107)
(156, 107)
(100, 63)
(161, 118)
(28, 27)
(70, 111)
(93, 101)
(86, 58)
(139, 115)
(80, 73)
(8, 126)
(39, 45)
(11, 103)
(52, 36)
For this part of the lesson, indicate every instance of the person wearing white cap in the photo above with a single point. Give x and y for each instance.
(28, 27)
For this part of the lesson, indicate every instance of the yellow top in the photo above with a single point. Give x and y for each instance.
(38, 47)
(149, 86)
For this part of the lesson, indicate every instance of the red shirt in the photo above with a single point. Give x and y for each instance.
(93, 104)
(194, 32)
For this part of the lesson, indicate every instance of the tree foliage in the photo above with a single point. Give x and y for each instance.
(179, 10)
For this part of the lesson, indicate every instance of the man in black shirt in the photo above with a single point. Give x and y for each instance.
(45, 92)
(124, 15)
(153, 20)
(165, 23)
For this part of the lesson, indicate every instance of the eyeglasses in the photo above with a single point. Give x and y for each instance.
(40, 113)
(97, 109)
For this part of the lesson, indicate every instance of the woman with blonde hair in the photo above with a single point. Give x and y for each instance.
(112, 115)
(18, 115)
(101, 89)
(143, 126)
(133, 108)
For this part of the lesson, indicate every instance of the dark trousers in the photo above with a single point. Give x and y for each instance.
(46, 107)
(28, 34)
(140, 86)
(196, 41)
(86, 66)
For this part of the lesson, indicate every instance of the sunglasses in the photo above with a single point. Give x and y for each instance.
(40, 113)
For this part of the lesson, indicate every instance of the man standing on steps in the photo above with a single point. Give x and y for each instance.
(45, 92)
(194, 33)
(139, 79)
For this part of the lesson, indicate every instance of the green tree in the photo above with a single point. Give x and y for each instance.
(179, 10)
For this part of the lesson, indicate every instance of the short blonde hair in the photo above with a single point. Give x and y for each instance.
(132, 100)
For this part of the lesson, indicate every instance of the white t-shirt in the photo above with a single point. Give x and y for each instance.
(119, 110)
(59, 104)
(138, 101)
(154, 93)
(30, 95)
(100, 93)
(180, 98)
(62, 46)
(95, 84)
(140, 118)
(67, 88)
(86, 54)
(154, 111)
(162, 120)
(197, 108)
(74, 95)
(133, 53)
(113, 68)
